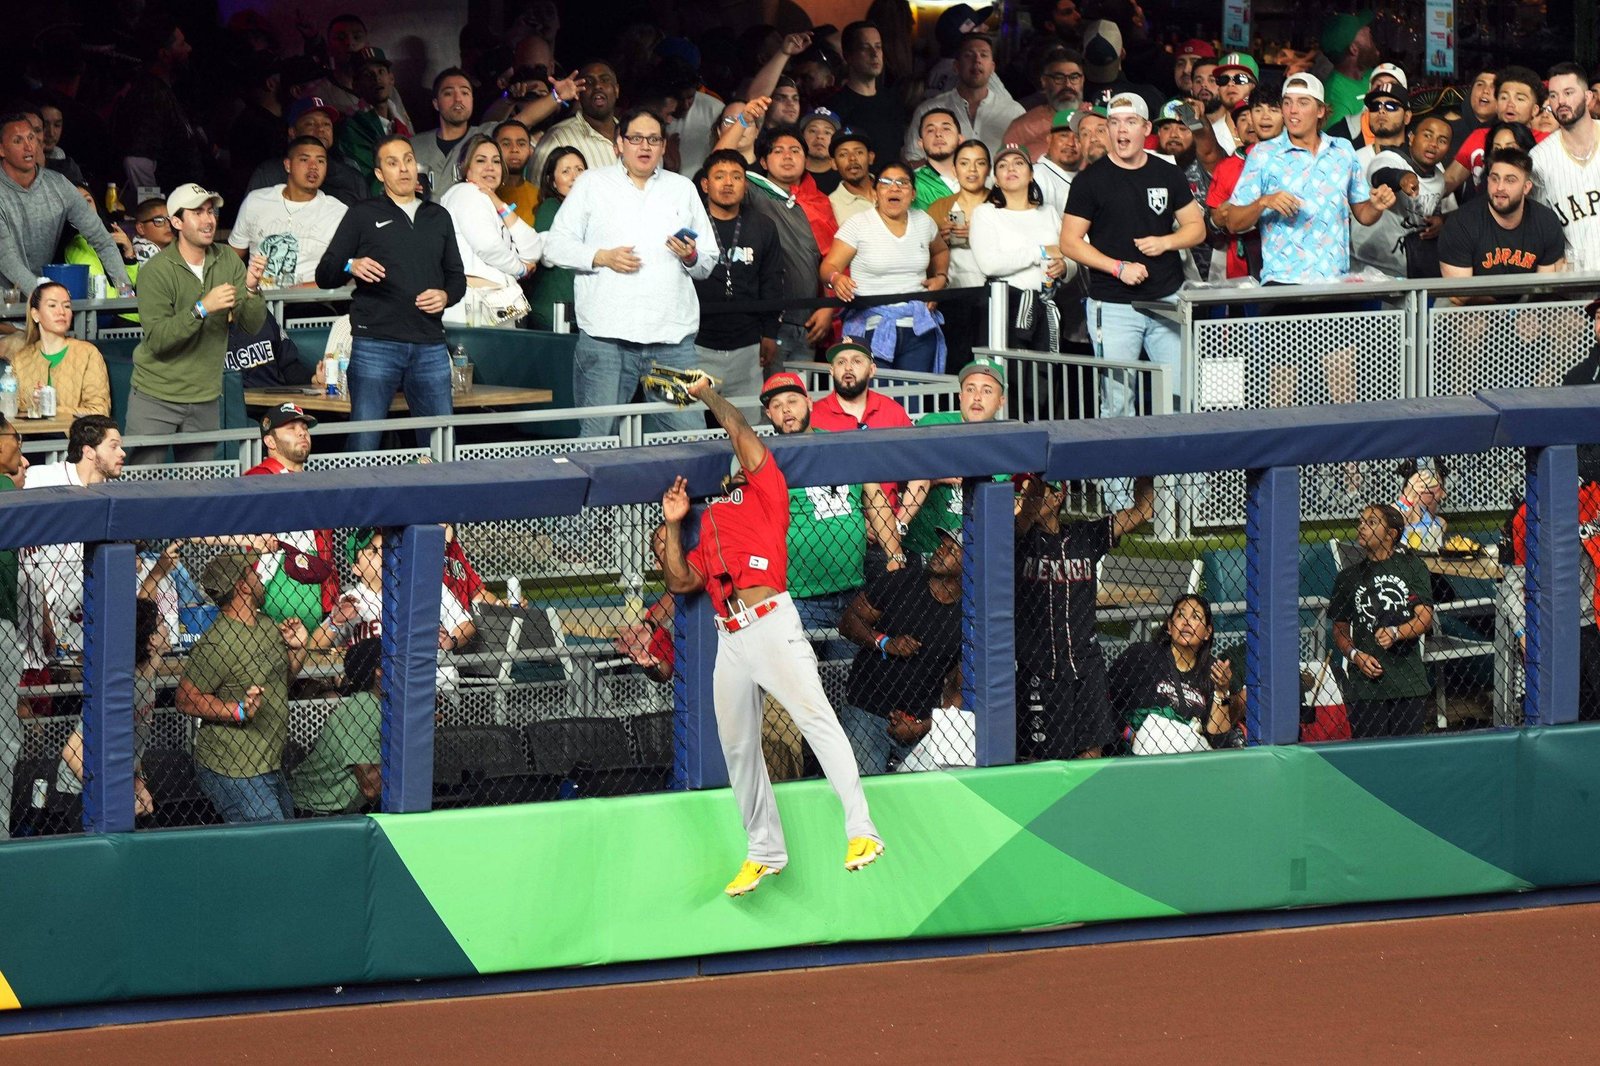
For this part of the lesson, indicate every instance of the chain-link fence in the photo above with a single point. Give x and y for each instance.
(1416, 636)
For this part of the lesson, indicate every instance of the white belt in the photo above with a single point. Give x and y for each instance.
(746, 618)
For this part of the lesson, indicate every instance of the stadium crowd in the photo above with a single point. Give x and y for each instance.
(709, 200)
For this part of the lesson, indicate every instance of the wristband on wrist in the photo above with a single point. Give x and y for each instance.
(1351, 654)
(348, 264)
(199, 309)
(882, 643)
(1116, 271)
(238, 711)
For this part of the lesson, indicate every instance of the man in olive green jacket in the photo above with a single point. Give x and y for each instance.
(188, 293)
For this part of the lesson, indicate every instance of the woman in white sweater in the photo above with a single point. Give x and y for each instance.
(1014, 238)
(498, 249)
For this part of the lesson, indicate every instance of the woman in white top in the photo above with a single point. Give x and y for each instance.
(1014, 238)
(892, 249)
(498, 249)
(964, 323)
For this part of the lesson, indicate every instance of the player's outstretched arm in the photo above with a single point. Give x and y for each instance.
(668, 542)
(746, 445)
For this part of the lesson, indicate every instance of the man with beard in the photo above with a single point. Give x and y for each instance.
(1388, 114)
(1234, 78)
(857, 191)
(938, 134)
(1504, 231)
(1186, 60)
(1403, 242)
(1094, 136)
(1347, 43)
(1063, 156)
(1181, 135)
(593, 130)
(801, 230)
(1061, 81)
(980, 113)
(301, 580)
(1565, 170)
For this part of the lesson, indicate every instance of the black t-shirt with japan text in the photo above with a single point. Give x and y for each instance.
(1122, 205)
(1056, 590)
(1472, 239)
(914, 684)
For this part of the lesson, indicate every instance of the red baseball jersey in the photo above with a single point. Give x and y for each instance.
(459, 576)
(743, 537)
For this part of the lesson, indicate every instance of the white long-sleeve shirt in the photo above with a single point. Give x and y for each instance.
(605, 209)
(1006, 243)
(490, 249)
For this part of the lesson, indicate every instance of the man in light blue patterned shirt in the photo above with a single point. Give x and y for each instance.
(1302, 187)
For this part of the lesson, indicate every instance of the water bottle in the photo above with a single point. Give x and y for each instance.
(330, 374)
(344, 372)
(1044, 263)
(459, 381)
(8, 393)
(44, 401)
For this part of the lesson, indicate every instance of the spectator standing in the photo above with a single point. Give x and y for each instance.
(938, 136)
(290, 225)
(741, 562)
(236, 681)
(818, 130)
(907, 625)
(1139, 213)
(300, 580)
(48, 356)
(1381, 606)
(157, 142)
(13, 475)
(864, 102)
(857, 190)
(1061, 83)
(187, 296)
(53, 122)
(552, 284)
(1504, 231)
(1347, 43)
(343, 773)
(348, 51)
(1103, 55)
(893, 249)
(1014, 238)
(980, 112)
(377, 115)
(511, 137)
(1403, 244)
(440, 154)
(1519, 94)
(593, 131)
(963, 322)
(634, 234)
(783, 157)
(1062, 159)
(497, 248)
(1388, 112)
(1065, 712)
(1243, 249)
(1233, 79)
(311, 116)
(738, 348)
(1566, 172)
(35, 205)
(402, 254)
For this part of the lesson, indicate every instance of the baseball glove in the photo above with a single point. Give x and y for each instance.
(671, 385)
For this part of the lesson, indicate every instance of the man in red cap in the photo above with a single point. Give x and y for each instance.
(1189, 54)
(300, 580)
(742, 563)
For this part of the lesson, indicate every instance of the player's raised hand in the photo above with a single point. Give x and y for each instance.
(675, 502)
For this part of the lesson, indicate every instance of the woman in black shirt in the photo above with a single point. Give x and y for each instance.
(1178, 677)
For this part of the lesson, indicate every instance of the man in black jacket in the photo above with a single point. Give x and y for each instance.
(402, 253)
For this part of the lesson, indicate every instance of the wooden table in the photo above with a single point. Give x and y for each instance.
(1118, 594)
(43, 427)
(484, 396)
(1456, 566)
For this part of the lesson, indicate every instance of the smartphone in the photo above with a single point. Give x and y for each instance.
(685, 234)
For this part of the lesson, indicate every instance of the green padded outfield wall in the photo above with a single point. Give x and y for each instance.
(590, 882)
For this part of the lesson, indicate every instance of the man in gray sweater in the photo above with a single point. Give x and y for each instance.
(34, 204)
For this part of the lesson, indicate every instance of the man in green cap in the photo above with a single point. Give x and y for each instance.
(1061, 81)
(1348, 45)
(1235, 78)
(1062, 159)
(930, 506)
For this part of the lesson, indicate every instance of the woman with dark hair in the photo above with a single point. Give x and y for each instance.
(964, 323)
(893, 248)
(1177, 677)
(1381, 605)
(343, 773)
(553, 285)
(497, 248)
(1015, 238)
(48, 356)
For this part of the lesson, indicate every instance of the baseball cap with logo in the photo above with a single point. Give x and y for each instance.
(1239, 61)
(190, 196)
(224, 572)
(848, 346)
(282, 415)
(1075, 122)
(1013, 149)
(1102, 50)
(985, 364)
(307, 104)
(1128, 104)
(1169, 113)
(780, 383)
(1304, 85)
(371, 54)
(1339, 33)
(1388, 92)
(1194, 48)
(847, 136)
(1389, 70)
(821, 114)
(1063, 119)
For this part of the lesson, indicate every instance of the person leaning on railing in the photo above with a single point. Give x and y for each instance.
(1014, 238)
(1381, 606)
(48, 356)
(1195, 697)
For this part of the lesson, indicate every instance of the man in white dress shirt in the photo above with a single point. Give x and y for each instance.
(638, 237)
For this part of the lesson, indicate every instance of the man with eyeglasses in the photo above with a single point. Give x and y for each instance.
(638, 237)
(864, 102)
(152, 229)
(981, 113)
(1234, 79)
(1061, 81)
(593, 130)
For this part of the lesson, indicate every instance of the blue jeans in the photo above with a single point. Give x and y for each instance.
(824, 612)
(1121, 332)
(869, 738)
(263, 798)
(606, 372)
(379, 369)
(912, 352)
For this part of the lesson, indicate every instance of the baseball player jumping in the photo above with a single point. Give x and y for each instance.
(742, 562)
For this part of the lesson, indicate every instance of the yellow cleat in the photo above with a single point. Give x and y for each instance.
(749, 876)
(862, 851)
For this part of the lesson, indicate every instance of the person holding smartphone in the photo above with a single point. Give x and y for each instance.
(638, 238)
